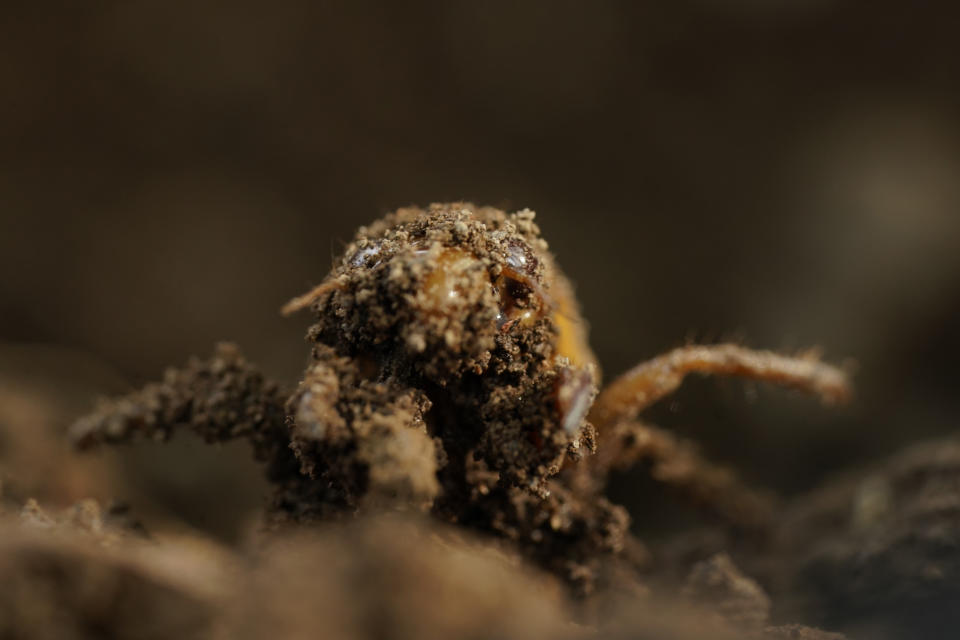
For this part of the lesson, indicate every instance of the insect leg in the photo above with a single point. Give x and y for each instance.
(677, 463)
(222, 398)
(364, 438)
(650, 381)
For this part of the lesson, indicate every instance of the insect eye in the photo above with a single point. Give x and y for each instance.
(368, 256)
(520, 259)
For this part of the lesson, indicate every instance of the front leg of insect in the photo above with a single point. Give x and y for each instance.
(625, 441)
(221, 398)
(650, 381)
(365, 439)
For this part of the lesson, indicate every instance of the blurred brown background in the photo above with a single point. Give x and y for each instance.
(783, 173)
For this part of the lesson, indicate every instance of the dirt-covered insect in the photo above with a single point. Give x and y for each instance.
(450, 372)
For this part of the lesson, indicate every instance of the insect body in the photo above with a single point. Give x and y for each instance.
(450, 372)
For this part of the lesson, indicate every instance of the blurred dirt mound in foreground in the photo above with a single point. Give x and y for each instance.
(86, 573)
